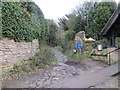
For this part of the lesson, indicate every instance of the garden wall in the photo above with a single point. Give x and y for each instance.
(114, 56)
(12, 52)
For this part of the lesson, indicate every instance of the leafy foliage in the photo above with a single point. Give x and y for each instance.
(101, 14)
(50, 34)
(0, 20)
(22, 21)
(118, 42)
(90, 17)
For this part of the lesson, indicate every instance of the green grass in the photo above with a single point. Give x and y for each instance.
(67, 50)
(78, 56)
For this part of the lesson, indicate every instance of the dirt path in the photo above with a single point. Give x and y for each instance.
(62, 72)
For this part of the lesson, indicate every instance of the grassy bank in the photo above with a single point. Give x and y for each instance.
(67, 50)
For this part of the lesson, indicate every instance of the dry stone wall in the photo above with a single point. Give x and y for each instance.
(12, 52)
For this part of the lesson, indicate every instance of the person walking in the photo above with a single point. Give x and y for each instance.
(79, 46)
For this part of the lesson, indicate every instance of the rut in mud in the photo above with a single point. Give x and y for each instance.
(48, 77)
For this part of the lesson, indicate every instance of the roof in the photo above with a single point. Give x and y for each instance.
(89, 39)
(111, 21)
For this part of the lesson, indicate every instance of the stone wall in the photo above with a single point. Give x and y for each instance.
(114, 56)
(12, 52)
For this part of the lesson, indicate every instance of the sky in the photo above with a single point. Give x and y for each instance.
(54, 9)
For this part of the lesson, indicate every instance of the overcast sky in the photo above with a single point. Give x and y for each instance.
(54, 9)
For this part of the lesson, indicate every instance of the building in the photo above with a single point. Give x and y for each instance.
(112, 30)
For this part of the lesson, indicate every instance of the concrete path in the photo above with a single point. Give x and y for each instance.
(111, 70)
(82, 81)
(88, 79)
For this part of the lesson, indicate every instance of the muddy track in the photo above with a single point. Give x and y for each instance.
(47, 77)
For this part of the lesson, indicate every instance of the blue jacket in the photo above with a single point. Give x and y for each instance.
(79, 45)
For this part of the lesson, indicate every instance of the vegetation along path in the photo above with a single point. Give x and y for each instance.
(64, 74)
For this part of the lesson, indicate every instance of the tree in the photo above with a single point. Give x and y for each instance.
(90, 17)
(62, 22)
(50, 34)
(98, 18)
(0, 20)
(93, 16)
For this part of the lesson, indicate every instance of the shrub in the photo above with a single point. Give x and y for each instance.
(19, 23)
